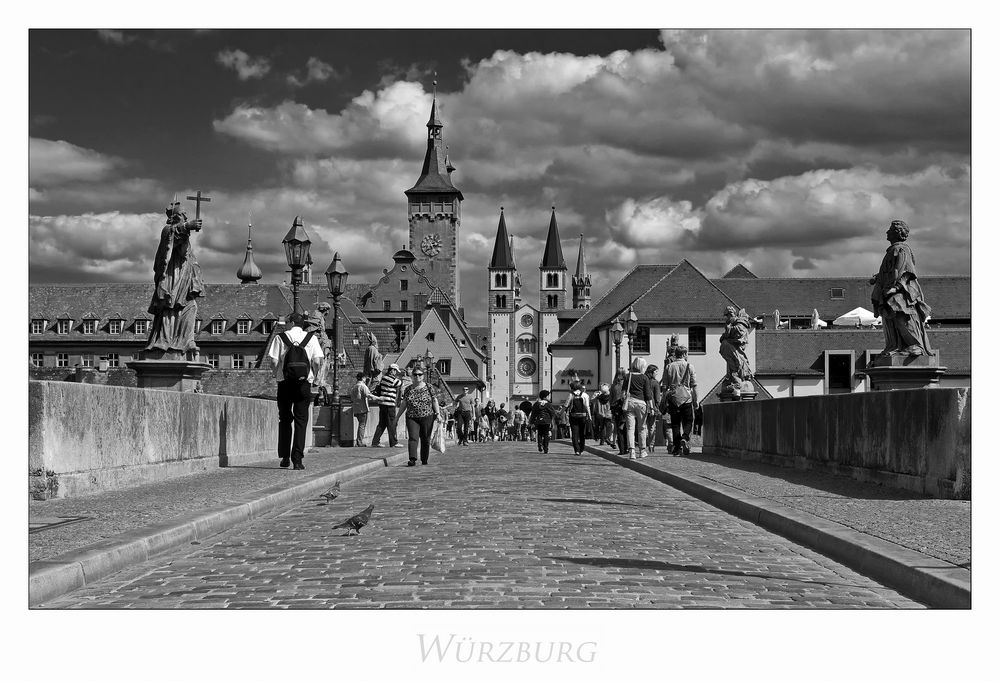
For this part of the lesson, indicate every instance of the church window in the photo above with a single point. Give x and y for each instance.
(37, 326)
(386, 306)
(501, 301)
(641, 341)
(243, 326)
(552, 302)
(404, 284)
(87, 360)
(552, 279)
(238, 361)
(501, 280)
(527, 345)
(213, 360)
(89, 326)
(444, 367)
(142, 326)
(218, 326)
(62, 359)
(62, 326)
(696, 340)
(115, 326)
(113, 360)
(37, 359)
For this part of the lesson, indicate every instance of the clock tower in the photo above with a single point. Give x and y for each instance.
(434, 212)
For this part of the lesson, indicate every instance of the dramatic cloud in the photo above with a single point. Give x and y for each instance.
(54, 162)
(245, 66)
(317, 71)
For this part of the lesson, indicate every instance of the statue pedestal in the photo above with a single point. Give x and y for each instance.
(182, 375)
(903, 372)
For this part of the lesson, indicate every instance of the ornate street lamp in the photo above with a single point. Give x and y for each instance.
(297, 245)
(336, 281)
(616, 334)
(631, 326)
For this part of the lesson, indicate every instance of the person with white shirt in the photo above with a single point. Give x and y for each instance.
(295, 377)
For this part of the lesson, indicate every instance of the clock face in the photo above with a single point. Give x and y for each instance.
(431, 245)
(527, 320)
(526, 367)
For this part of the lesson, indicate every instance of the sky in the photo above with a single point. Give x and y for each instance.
(789, 151)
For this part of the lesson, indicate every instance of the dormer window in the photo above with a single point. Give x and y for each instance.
(37, 326)
(141, 327)
(89, 326)
(243, 326)
(63, 326)
(267, 326)
(836, 293)
(197, 326)
(115, 326)
(218, 326)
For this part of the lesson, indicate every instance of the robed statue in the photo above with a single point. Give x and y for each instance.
(372, 366)
(177, 287)
(898, 299)
(316, 324)
(732, 347)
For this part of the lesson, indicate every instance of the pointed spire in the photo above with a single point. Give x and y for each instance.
(552, 258)
(249, 273)
(435, 175)
(581, 262)
(503, 256)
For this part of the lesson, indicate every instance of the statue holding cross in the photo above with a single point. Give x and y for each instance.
(177, 286)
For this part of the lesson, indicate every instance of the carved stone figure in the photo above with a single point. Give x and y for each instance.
(177, 286)
(316, 323)
(373, 358)
(732, 347)
(898, 298)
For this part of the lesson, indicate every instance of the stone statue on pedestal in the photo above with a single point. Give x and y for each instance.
(898, 299)
(177, 286)
(732, 347)
(316, 323)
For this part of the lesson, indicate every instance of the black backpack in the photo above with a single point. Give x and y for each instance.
(577, 407)
(296, 366)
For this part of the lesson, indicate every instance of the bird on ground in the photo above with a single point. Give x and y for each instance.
(356, 522)
(331, 493)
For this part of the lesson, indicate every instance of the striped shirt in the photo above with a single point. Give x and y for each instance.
(388, 390)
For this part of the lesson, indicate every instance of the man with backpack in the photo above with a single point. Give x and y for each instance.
(297, 357)
(680, 397)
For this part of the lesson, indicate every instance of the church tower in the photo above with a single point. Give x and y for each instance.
(552, 271)
(434, 211)
(504, 288)
(581, 282)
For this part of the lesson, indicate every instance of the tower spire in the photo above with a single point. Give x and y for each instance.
(552, 257)
(581, 281)
(249, 273)
(503, 255)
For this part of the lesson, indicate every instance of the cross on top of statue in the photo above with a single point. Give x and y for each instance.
(198, 198)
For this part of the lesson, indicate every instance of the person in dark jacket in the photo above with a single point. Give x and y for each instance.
(651, 415)
(639, 401)
(578, 409)
(618, 411)
(543, 415)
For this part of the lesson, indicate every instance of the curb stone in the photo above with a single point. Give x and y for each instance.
(929, 580)
(57, 576)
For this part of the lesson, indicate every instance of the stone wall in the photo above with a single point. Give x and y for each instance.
(120, 376)
(919, 440)
(85, 438)
(240, 382)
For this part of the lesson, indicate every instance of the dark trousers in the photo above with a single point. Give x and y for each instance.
(419, 431)
(294, 399)
(386, 421)
(464, 419)
(578, 431)
(543, 437)
(681, 416)
(362, 420)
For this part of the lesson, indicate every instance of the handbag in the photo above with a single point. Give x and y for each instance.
(680, 394)
(437, 438)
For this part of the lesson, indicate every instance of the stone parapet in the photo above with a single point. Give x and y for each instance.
(84, 438)
(919, 440)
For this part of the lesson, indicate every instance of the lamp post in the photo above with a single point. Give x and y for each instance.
(616, 334)
(336, 281)
(631, 326)
(297, 245)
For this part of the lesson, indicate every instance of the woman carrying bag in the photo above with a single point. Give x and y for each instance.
(422, 410)
(681, 397)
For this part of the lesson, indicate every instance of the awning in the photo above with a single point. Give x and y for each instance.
(859, 316)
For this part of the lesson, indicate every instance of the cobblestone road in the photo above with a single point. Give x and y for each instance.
(495, 526)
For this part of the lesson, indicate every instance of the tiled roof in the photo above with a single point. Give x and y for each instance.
(780, 352)
(739, 272)
(950, 297)
(637, 281)
(684, 295)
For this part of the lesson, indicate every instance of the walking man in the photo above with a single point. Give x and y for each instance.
(359, 405)
(464, 408)
(297, 358)
(388, 397)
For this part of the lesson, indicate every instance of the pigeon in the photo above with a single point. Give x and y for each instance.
(356, 522)
(331, 493)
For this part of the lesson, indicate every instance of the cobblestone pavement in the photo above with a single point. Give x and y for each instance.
(112, 513)
(495, 526)
(941, 528)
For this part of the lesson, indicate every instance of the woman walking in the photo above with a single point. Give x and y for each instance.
(639, 396)
(542, 416)
(618, 400)
(422, 410)
(653, 410)
(490, 412)
(578, 408)
(681, 391)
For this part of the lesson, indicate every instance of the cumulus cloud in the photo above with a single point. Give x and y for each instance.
(316, 71)
(245, 66)
(54, 162)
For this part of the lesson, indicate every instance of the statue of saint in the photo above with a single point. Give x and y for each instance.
(177, 286)
(898, 299)
(372, 367)
(316, 323)
(732, 347)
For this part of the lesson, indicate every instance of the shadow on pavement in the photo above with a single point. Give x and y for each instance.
(595, 501)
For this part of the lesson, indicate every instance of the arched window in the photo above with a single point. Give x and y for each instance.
(501, 301)
(527, 345)
(501, 280)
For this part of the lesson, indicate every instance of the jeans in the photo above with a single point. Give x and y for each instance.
(362, 420)
(294, 400)
(635, 424)
(543, 437)
(578, 431)
(419, 430)
(386, 421)
(463, 418)
(682, 415)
